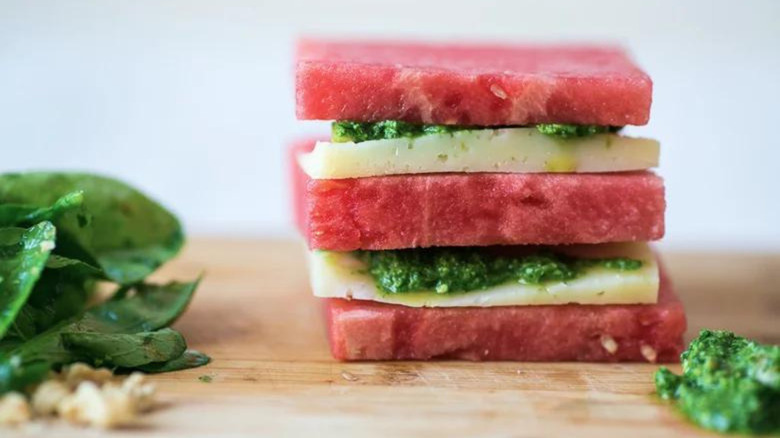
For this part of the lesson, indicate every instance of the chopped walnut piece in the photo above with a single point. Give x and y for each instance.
(48, 395)
(83, 395)
(79, 372)
(140, 390)
(92, 405)
(14, 409)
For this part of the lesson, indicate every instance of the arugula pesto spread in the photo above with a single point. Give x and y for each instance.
(560, 130)
(728, 384)
(346, 131)
(450, 270)
(357, 132)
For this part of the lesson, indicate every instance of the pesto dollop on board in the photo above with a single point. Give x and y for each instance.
(346, 131)
(450, 270)
(728, 384)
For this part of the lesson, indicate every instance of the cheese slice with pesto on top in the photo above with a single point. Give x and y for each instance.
(508, 150)
(346, 275)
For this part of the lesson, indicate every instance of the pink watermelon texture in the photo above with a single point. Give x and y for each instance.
(477, 209)
(470, 84)
(367, 330)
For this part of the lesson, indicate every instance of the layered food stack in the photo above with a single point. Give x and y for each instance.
(480, 202)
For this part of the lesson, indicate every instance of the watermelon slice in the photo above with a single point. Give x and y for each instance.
(367, 330)
(470, 84)
(458, 209)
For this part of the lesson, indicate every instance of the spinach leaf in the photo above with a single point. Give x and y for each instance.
(23, 254)
(145, 308)
(58, 295)
(61, 292)
(126, 350)
(24, 215)
(73, 267)
(118, 228)
(16, 375)
(190, 359)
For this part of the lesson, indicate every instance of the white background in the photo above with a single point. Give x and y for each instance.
(193, 100)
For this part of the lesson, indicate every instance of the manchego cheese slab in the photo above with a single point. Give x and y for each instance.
(508, 150)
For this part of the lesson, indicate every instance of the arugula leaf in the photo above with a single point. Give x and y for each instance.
(146, 308)
(118, 228)
(23, 254)
(190, 359)
(127, 350)
(23, 215)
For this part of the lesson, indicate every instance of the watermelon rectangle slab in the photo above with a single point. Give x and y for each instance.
(367, 330)
(478, 209)
(483, 85)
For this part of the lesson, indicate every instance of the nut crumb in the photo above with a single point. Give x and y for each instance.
(79, 372)
(14, 409)
(92, 405)
(83, 395)
(609, 344)
(48, 395)
(141, 391)
(648, 353)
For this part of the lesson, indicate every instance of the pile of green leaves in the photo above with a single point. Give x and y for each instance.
(729, 383)
(63, 234)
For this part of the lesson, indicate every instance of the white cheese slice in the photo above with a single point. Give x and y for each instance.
(512, 150)
(342, 275)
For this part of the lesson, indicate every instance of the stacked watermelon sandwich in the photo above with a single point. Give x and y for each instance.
(480, 202)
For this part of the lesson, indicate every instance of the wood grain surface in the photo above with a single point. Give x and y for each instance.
(272, 374)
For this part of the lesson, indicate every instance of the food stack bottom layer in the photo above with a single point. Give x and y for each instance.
(476, 209)
(367, 330)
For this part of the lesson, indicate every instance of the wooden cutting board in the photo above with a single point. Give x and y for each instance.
(272, 374)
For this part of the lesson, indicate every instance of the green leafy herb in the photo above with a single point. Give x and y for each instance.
(564, 131)
(58, 295)
(449, 270)
(189, 359)
(116, 227)
(126, 350)
(16, 375)
(146, 309)
(728, 384)
(23, 214)
(23, 255)
(105, 231)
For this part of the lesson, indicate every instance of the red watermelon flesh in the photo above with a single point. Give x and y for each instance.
(470, 84)
(367, 330)
(478, 209)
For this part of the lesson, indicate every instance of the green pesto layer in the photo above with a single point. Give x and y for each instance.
(346, 131)
(450, 270)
